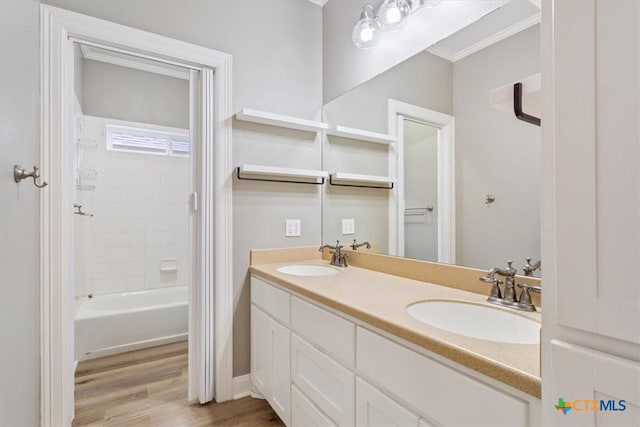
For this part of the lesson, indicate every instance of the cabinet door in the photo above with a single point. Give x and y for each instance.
(305, 414)
(375, 409)
(600, 389)
(591, 166)
(260, 353)
(280, 373)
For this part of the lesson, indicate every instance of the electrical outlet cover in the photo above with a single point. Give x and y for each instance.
(348, 226)
(292, 228)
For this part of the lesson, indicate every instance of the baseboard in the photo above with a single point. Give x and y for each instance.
(242, 386)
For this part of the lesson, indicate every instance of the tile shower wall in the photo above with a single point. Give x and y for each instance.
(140, 208)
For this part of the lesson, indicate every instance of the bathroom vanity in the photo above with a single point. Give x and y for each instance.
(341, 349)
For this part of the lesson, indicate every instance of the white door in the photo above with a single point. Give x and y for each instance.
(591, 209)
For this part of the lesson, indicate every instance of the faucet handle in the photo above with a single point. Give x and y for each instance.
(524, 302)
(532, 288)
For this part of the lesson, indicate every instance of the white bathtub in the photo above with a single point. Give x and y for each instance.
(115, 323)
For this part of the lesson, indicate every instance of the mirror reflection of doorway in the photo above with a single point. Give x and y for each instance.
(421, 190)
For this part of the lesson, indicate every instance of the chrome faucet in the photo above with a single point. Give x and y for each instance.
(529, 268)
(509, 274)
(339, 258)
(355, 245)
(510, 298)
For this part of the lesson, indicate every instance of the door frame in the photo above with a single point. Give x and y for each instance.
(398, 110)
(214, 291)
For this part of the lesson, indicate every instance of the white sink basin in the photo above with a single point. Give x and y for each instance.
(477, 321)
(308, 270)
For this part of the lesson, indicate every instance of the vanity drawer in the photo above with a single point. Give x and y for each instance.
(374, 409)
(437, 391)
(271, 300)
(330, 386)
(324, 329)
(305, 414)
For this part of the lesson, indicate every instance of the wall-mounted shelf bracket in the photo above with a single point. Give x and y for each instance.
(517, 107)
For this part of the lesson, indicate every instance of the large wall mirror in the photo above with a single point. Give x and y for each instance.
(463, 175)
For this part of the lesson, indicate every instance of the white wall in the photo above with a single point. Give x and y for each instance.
(19, 214)
(128, 94)
(277, 66)
(496, 154)
(365, 107)
(346, 66)
(421, 190)
(141, 215)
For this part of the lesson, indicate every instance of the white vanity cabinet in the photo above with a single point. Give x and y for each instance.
(317, 367)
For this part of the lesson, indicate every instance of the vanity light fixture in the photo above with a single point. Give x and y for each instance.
(364, 34)
(392, 15)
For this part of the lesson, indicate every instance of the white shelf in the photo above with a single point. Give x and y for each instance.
(358, 180)
(363, 135)
(502, 97)
(280, 120)
(270, 173)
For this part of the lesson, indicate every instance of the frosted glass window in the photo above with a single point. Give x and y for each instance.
(149, 141)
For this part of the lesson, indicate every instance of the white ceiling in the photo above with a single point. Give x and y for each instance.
(515, 16)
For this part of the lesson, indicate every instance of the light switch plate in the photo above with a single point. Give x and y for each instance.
(292, 228)
(348, 226)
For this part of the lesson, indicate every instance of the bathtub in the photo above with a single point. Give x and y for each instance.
(115, 323)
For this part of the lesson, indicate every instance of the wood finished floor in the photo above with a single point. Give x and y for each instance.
(149, 388)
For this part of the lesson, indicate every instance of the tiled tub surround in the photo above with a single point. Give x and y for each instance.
(140, 208)
(380, 299)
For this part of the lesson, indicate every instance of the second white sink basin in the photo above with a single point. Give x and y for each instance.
(477, 321)
(308, 270)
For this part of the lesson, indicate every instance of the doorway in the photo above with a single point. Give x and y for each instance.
(131, 228)
(424, 199)
(420, 190)
(210, 313)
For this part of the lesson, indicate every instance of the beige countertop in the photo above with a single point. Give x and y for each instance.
(381, 299)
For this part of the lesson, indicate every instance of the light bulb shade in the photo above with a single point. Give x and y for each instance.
(364, 34)
(392, 14)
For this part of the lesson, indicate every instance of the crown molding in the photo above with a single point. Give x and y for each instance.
(492, 39)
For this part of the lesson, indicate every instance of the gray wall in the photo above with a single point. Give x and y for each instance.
(122, 93)
(19, 214)
(277, 67)
(365, 107)
(496, 154)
